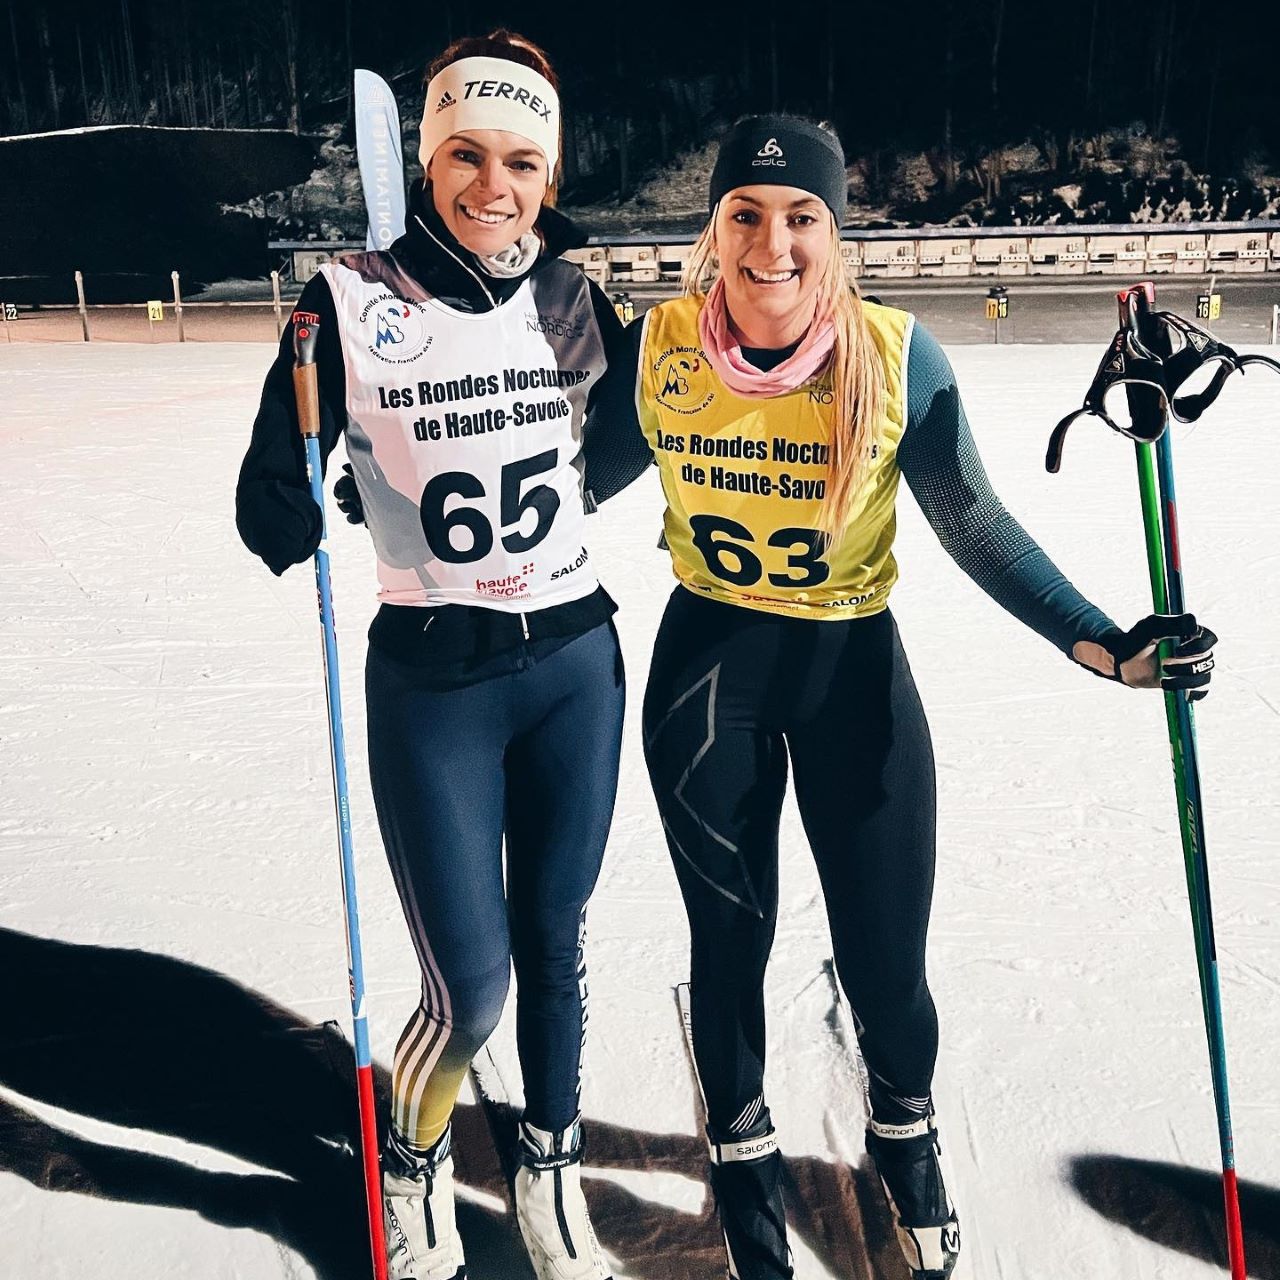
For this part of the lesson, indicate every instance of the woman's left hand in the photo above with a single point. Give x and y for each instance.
(348, 496)
(1132, 657)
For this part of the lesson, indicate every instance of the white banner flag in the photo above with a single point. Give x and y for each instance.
(381, 159)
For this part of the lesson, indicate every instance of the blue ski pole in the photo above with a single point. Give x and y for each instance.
(308, 400)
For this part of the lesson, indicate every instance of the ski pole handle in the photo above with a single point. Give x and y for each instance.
(305, 386)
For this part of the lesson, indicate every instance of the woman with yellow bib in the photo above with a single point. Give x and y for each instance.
(781, 410)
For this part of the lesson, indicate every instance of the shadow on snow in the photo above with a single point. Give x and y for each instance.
(151, 1043)
(1181, 1208)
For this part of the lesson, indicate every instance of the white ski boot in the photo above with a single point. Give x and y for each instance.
(417, 1199)
(906, 1158)
(550, 1206)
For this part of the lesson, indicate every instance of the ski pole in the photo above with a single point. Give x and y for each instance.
(1164, 562)
(308, 401)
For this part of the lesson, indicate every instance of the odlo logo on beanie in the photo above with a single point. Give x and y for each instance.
(771, 153)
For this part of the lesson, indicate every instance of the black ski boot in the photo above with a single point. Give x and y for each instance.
(746, 1179)
(906, 1158)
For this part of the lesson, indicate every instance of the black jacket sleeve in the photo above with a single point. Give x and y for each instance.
(275, 514)
(614, 447)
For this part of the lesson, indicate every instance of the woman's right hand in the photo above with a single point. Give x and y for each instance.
(347, 496)
(1133, 657)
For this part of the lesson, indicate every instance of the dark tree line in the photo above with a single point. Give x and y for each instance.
(963, 80)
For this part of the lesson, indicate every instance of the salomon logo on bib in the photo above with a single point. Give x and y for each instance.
(771, 153)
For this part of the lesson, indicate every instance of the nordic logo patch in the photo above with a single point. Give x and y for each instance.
(537, 322)
(448, 100)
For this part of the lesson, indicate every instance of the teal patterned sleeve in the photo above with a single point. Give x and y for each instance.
(940, 463)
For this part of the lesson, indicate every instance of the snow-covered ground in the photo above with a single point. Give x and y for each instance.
(170, 927)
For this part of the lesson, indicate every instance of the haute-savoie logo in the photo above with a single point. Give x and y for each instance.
(514, 584)
(537, 322)
(395, 330)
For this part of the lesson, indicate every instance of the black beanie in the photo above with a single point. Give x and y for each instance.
(782, 151)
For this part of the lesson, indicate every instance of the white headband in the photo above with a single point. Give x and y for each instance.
(491, 93)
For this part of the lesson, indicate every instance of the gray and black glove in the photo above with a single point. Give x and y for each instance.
(1138, 664)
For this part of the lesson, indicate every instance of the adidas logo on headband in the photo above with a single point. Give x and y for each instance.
(502, 89)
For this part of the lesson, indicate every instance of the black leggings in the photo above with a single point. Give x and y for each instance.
(732, 691)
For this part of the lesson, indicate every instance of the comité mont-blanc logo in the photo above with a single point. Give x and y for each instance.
(683, 380)
(396, 330)
(771, 153)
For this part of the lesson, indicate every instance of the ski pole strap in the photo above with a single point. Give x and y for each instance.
(1153, 355)
(743, 1149)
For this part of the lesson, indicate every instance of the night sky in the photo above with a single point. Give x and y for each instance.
(983, 73)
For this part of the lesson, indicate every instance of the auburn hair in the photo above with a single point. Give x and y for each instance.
(855, 369)
(510, 46)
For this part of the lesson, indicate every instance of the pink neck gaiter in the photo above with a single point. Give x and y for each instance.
(738, 373)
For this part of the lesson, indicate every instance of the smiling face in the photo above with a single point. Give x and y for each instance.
(488, 185)
(774, 245)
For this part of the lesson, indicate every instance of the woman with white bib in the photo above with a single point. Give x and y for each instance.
(460, 364)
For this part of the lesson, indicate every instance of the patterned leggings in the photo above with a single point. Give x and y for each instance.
(732, 693)
(529, 757)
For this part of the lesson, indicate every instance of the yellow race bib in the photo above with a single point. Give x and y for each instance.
(744, 479)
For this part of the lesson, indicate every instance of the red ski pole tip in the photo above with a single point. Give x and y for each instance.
(304, 332)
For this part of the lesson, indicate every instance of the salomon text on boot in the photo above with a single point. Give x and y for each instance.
(550, 1207)
(417, 1199)
(906, 1159)
(746, 1178)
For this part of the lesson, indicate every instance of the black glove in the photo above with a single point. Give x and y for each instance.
(348, 496)
(279, 522)
(1190, 664)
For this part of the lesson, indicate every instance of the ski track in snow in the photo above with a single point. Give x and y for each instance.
(167, 790)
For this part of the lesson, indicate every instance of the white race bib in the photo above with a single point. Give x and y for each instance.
(464, 433)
